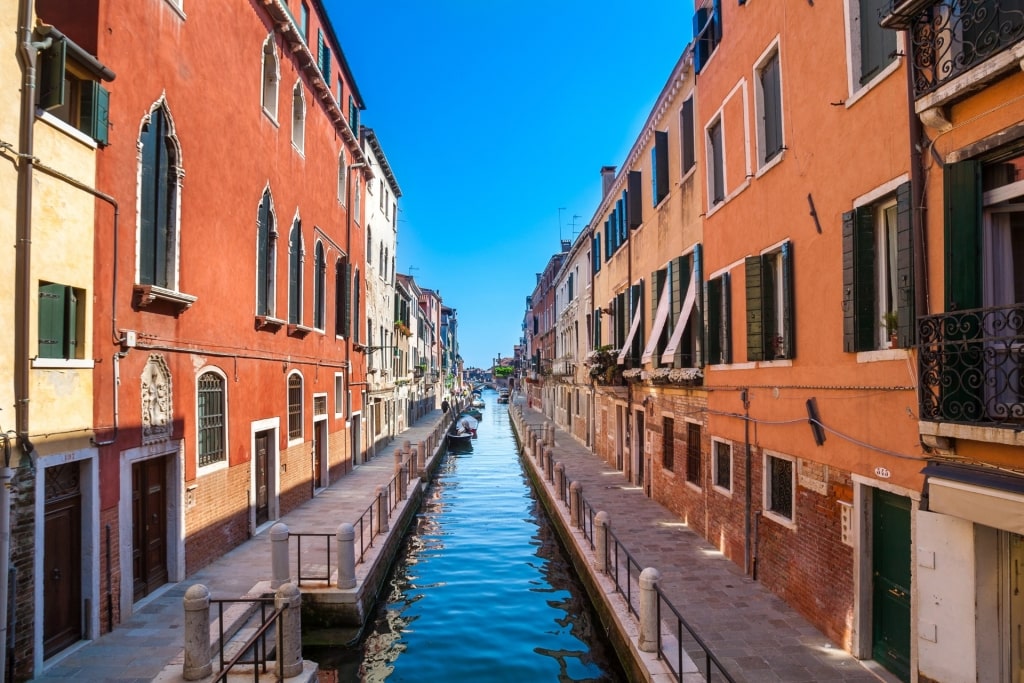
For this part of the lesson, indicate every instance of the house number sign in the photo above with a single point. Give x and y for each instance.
(882, 473)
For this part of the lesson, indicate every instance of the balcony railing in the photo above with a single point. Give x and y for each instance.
(971, 366)
(952, 36)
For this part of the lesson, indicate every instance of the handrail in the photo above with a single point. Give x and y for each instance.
(631, 562)
(709, 656)
(298, 557)
(254, 642)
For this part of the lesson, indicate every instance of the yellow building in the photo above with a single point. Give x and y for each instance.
(50, 140)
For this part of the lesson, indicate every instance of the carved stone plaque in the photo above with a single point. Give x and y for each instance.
(156, 400)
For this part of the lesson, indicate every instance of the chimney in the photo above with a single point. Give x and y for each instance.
(607, 178)
(566, 245)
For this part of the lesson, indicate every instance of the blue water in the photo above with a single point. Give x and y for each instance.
(481, 591)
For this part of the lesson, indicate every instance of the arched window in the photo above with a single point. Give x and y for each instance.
(380, 259)
(270, 77)
(295, 406)
(298, 118)
(266, 256)
(341, 178)
(357, 301)
(369, 241)
(295, 274)
(319, 286)
(159, 179)
(211, 418)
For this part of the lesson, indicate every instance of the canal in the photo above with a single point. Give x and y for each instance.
(481, 590)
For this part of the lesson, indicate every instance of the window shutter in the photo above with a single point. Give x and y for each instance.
(660, 166)
(637, 307)
(607, 240)
(148, 182)
(620, 214)
(52, 63)
(905, 266)
(688, 135)
(717, 23)
(717, 164)
(755, 309)
(962, 186)
(70, 323)
(621, 319)
(772, 103)
(597, 328)
(634, 207)
(294, 277)
(51, 320)
(726, 319)
(877, 45)
(712, 320)
(162, 205)
(701, 46)
(681, 279)
(698, 330)
(859, 291)
(262, 248)
(94, 119)
(788, 307)
(849, 281)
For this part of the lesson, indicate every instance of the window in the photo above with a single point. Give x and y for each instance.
(159, 179)
(676, 336)
(339, 395)
(659, 167)
(770, 310)
(266, 257)
(356, 306)
(323, 57)
(341, 178)
(693, 453)
(294, 406)
(304, 21)
(61, 323)
(295, 274)
(722, 464)
(211, 419)
(878, 273)
(343, 299)
(337, 97)
(595, 253)
(70, 91)
(357, 202)
(298, 118)
(319, 287)
(718, 317)
(769, 109)
(877, 46)
(668, 443)
(779, 486)
(686, 134)
(271, 77)
(353, 115)
(707, 33)
(716, 158)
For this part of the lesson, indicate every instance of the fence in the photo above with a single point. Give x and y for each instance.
(256, 644)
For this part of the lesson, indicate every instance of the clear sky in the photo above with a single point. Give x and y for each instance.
(494, 115)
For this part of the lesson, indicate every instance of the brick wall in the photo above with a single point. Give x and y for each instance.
(110, 588)
(216, 515)
(21, 624)
(296, 475)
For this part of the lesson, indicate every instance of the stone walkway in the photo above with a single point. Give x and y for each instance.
(757, 637)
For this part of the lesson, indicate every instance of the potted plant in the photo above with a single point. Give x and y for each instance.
(891, 320)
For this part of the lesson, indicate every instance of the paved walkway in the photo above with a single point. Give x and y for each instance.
(139, 649)
(757, 637)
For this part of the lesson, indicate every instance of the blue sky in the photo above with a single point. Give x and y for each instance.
(495, 114)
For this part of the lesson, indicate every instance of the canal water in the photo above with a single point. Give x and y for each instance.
(481, 590)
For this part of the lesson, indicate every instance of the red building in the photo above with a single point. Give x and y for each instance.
(228, 280)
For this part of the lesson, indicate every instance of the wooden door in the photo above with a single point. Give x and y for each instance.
(149, 526)
(62, 560)
(891, 582)
(639, 447)
(262, 478)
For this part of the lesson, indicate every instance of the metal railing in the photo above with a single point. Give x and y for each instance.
(676, 663)
(298, 558)
(256, 644)
(971, 366)
(624, 569)
(952, 36)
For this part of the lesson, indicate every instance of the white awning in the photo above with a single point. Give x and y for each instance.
(660, 316)
(684, 318)
(629, 337)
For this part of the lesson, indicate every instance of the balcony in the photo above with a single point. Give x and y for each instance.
(959, 45)
(971, 368)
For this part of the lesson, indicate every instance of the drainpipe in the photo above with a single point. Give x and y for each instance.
(22, 288)
(351, 331)
(922, 299)
(745, 396)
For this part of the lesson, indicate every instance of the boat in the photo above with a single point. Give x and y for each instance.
(478, 403)
(473, 413)
(503, 396)
(466, 424)
(459, 441)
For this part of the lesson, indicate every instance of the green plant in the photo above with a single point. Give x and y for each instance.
(503, 371)
(891, 320)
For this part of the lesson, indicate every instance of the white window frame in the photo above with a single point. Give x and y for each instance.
(342, 177)
(272, 239)
(340, 396)
(298, 119)
(271, 111)
(766, 492)
(719, 120)
(294, 441)
(202, 470)
(853, 58)
(772, 51)
(715, 441)
(695, 485)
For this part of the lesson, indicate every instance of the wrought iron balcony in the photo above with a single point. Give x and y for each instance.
(950, 37)
(971, 367)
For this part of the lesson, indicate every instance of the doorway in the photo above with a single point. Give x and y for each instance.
(62, 559)
(149, 526)
(262, 464)
(639, 438)
(319, 455)
(890, 568)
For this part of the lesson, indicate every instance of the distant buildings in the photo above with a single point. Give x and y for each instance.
(798, 318)
(209, 327)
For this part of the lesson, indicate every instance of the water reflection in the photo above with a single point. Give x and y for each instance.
(481, 590)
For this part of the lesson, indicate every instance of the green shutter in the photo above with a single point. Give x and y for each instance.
(659, 163)
(712, 320)
(52, 63)
(621, 318)
(634, 205)
(51, 320)
(70, 323)
(658, 278)
(849, 300)
(788, 302)
(637, 307)
(94, 120)
(877, 44)
(597, 328)
(962, 185)
(859, 286)
(726, 319)
(755, 309)
(697, 329)
(294, 281)
(687, 134)
(905, 266)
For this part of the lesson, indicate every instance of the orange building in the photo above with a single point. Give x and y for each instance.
(229, 278)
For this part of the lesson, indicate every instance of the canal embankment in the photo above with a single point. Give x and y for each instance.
(753, 634)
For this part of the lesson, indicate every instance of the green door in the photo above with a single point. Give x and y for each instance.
(890, 641)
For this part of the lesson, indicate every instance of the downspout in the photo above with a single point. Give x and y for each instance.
(22, 288)
(348, 286)
(745, 396)
(922, 297)
(629, 385)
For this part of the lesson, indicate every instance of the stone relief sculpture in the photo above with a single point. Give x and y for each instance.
(156, 400)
